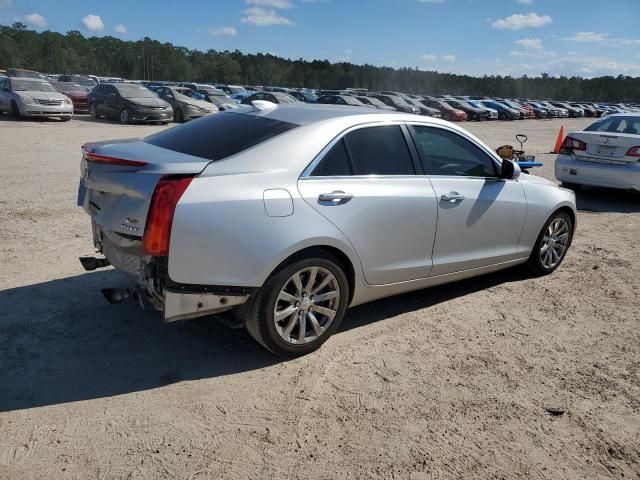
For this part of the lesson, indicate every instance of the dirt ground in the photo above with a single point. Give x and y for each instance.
(450, 382)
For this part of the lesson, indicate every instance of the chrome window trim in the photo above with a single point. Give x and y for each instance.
(306, 173)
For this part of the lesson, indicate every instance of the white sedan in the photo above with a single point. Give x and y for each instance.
(605, 154)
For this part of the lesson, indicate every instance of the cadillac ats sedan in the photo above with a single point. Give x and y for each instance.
(283, 216)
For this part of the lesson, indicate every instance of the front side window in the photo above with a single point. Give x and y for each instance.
(447, 153)
(379, 151)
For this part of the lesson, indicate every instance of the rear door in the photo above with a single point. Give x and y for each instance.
(480, 217)
(371, 187)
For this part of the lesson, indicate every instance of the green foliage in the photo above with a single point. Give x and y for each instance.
(149, 59)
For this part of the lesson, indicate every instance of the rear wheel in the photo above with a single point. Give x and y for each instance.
(552, 244)
(300, 306)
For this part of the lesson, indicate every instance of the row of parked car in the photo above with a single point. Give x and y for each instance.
(28, 93)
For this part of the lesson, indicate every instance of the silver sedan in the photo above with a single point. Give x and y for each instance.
(283, 216)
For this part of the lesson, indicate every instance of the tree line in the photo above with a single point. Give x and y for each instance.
(147, 59)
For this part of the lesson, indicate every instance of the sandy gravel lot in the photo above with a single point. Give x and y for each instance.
(449, 382)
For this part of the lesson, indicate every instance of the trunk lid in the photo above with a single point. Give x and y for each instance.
(603, 147)
(118, 196)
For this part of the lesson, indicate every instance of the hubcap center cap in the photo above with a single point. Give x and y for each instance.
(305, 304)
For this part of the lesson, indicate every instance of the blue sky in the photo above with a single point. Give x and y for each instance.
(509, 37)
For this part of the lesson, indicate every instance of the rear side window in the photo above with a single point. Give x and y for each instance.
(219, 136)
(335, 163)
(447, 153)
(379, 151)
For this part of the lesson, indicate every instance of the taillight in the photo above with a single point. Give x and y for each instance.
(157, 230)
(633, 152)
(570, 144)
(87, 150)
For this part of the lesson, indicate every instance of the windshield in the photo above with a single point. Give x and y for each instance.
(134, 91)
(284, 97)
(70, 87)
(398, 101)
(372, 101)
(84, 81)
(183, 93)
(625, 124)
(29, 86)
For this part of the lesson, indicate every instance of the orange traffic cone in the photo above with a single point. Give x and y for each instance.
(559, 140)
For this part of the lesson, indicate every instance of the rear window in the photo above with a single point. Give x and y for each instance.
(626, 124)
(219, 136)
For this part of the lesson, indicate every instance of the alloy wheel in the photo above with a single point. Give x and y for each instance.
(124, 116)
(306, 305)
(554, 243)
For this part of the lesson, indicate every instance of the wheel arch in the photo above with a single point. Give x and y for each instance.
(326, 250)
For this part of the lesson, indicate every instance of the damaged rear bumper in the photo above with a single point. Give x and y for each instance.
(153, 285)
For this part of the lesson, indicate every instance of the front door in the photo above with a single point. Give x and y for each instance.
(480, 217)
(366, 185)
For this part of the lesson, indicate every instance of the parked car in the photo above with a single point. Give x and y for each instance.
(504, 111)
(491, 112)
(524, 113)
(340, 100)
(128, 103)
(396, 102)
(32, 97)
(605, 154)
(561, 112)
(184, 103)
(447, 111)
(284, 216)
(306, 97)
(424, 110)
(231, 89)
(473, 113)
(77, 93)
(22, 73)
(79, 80)
(544, 111)
(273, 97)
(375, 103)
(219, 98)
(574, 112)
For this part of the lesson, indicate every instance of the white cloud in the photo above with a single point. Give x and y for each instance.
(449, 58)
(263, 17)
(36, 20)
(223, 31)
(525, 2)
(429, 57)
(120, 28)
(533, 43)
(271, 3)
(518, 21)
(589, 37)
(93, 23)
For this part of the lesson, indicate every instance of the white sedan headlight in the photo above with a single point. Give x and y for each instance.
(27, 99)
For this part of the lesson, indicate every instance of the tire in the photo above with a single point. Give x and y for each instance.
(178, 116)
(15, 111)
(558, 226)
(65, 118)
(124, 117)
(279, 293)
(93, 111)
(503, 116)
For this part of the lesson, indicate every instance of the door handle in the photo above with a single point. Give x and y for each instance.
(452, 197)
(337, 196)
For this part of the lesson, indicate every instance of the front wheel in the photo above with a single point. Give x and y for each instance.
(300, 306)
(178, 116)
(552, 244)
(124, 117)
(503, 116)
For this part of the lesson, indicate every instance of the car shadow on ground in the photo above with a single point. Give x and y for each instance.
(61, 342)
(592, 199)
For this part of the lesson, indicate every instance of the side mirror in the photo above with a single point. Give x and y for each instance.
(510, 170)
